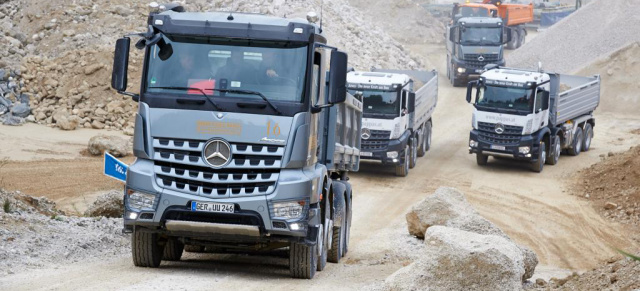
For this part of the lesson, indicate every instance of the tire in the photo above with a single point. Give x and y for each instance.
(303, 260)
(402, 170)
(456, 82)
(576, 146)
(337, 247)
(554, 152)
(413, 156)
(145, 249)
(348, 225)
(588, 137)
(173, 250)
(482, 159)
(522, 39)
(538, 165)
(515, 36)
(194, 249)
(426, 140)
(324, 236)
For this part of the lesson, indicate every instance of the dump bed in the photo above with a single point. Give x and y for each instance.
(425, 85)
(573, 96)
(343, 139)
(515, 14)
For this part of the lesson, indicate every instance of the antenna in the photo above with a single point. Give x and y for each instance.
(321, 11)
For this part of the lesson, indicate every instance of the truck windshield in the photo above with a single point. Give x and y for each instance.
(275, 69)
(474, 12)
(480, 35)
(512, 99)
(379, 103)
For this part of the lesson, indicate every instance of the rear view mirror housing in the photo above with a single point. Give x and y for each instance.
(338, 77)
(411, 104)
(452, 34)
(120, 64)
(470, 86)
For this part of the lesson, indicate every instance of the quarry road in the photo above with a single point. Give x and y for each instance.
(536, 210)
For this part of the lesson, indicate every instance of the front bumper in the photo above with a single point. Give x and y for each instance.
(380, 154)
(250, 212)
(470, 71)
(506, 150)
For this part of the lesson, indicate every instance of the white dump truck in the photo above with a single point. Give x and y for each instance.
(396, 123)
(531, 115)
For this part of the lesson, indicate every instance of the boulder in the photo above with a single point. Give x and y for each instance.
(107, 205)
(448, 207)
(21, 110)
(114, 145)
(456, 259)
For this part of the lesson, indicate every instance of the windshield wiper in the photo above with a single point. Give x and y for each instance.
(250, 92)
(193, 88)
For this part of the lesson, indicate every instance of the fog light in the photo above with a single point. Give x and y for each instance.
(392, 155)
(473, 143)
(132, 215)
(395, 160)
(140, 201)
(524, 150)
(295, 226)
(461, 70)
(288, 210)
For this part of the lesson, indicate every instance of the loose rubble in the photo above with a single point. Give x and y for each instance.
(107, 205)
(34, 235)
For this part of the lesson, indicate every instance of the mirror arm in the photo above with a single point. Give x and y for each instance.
(318, 108)
(134, 97)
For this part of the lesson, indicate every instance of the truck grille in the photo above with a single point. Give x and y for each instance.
(379, 141)
(253, 170)
(510, 136)
(472, 61)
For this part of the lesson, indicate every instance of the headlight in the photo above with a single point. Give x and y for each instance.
(461, 70)
(140, 201)
(288, 210)
(473, 143)
(392, 155)
(524, 150)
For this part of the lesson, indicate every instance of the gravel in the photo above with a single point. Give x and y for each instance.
(594, 31)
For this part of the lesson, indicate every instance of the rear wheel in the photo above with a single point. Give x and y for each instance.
(338, 233)
(414, 153)
(303, 260)
(538, 165)
(145, 249)
(348, 226)
(482, 159)
(576, 146)
(426, 140)
(173, 250)
(588, 136)
(402, 170)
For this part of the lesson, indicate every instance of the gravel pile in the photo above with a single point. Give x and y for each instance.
(594, 31)
(33, 234)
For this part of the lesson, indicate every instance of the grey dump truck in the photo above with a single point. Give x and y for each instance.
(244, 138)
(531, 116)
(473, 43)
(397, 119)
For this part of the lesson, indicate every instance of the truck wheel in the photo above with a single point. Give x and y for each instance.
(538, 165)
(482, 159)
(402, 170)
(576, 146)
(193, 249)
(145, 249)
(303, 260)
(554, 152)
(173, 250)
(522, 38)
(588, 136)
(324, 236)
(413, 158)
(347, 232)
(426, 140)
(337, 246)
(514, 40)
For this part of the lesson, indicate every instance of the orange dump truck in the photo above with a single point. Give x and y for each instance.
(515, 16)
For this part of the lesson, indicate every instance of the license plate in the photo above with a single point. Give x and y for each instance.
(479, 71)
(495, 147)
(366, 154)
(212, 207)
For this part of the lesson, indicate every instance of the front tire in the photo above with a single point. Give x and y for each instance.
(173, 250)
(482, 159)
(414, 153)
(145, 249)
(402, 170)
(303, 260)
(538, 165)
(426, 140)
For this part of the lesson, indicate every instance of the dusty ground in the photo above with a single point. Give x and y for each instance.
(536, 210)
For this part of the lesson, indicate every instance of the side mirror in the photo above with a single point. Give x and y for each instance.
(411, 105)
(120, 65)
(338, 78)
(470, 90)
(545, 101)
(452, 34)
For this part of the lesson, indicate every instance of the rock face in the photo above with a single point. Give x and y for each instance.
(464, 251)
(116, 146)
(461, 260)
(107, 205)
(448, 207)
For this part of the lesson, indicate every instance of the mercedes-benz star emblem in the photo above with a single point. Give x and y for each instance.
(499, 128)
(481, 58)
(217, 153)
(366, 133)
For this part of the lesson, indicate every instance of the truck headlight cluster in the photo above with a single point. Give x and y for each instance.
(461, 70)
(140, 201)
(473, 143)
(288, 210)
(524, 150)
(392, 155)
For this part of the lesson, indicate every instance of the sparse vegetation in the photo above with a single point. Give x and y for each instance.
(6, 206)
(629, 255)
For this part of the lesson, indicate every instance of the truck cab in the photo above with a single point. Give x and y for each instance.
(473, 43)
(239, 139)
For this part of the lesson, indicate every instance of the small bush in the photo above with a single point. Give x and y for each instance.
(6, 205)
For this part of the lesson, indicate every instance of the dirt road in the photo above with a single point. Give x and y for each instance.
(534, 209)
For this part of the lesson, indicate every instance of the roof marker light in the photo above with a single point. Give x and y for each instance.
(159, 22)
(298, 30)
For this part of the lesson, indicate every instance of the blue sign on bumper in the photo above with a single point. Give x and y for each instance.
(114, 168)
